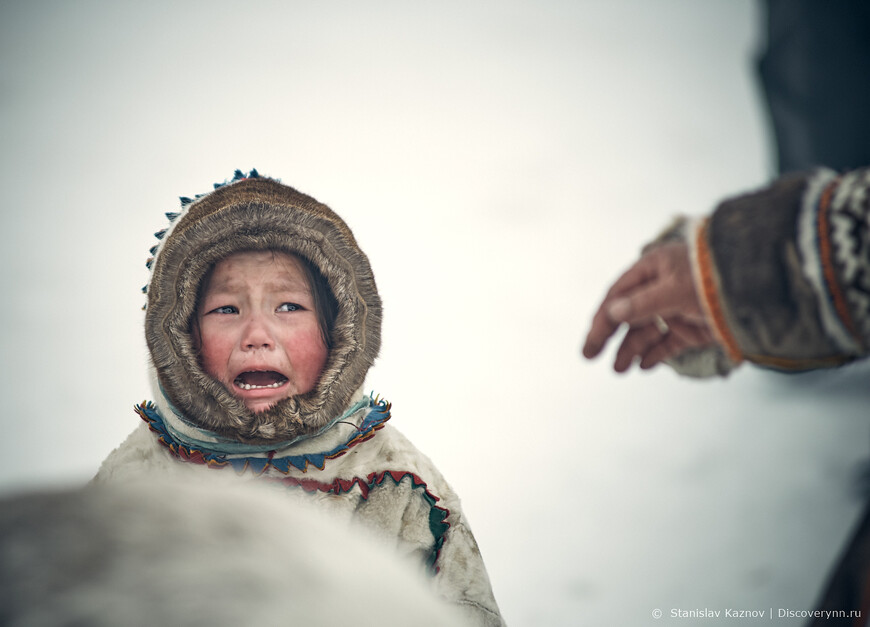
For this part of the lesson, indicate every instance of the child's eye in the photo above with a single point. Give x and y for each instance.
(226, 309)
(289, 307)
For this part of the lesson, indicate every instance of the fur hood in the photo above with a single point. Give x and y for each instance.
(257, 213)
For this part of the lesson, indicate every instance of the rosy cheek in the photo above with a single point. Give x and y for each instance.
(309, 357)
(213, 354)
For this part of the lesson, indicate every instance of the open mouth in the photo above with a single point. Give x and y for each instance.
(260, 380)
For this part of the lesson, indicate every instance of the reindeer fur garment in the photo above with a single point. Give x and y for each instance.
(330, 446)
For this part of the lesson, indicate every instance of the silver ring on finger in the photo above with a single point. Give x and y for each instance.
(661, 325)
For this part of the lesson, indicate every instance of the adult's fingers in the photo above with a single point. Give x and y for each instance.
(670, 346)
(660, 298)
(600, 331)
(636, 343)
(669, 289)
(604, 325)
(681, 336)
(642, 271)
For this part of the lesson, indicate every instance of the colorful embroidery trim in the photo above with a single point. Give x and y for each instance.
(438, 524)
(813, 228)
(374, 421)
(827, 262)
(847, 220)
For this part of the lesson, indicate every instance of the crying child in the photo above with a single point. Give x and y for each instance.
(262, 320)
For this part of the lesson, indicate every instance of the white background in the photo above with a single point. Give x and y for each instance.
(501, 163)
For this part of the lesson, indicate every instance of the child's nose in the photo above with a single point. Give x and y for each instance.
(257, 334)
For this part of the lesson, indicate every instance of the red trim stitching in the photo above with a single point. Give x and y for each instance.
(339, 486)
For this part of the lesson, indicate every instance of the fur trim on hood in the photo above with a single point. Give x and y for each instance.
(256, 213)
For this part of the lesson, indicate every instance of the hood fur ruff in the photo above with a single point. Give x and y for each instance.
(256, 213)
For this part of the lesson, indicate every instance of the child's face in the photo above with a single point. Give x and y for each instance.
(258, 329)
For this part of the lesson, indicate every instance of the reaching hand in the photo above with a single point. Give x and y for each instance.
(656, 297)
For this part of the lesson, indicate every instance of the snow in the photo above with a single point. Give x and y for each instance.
(501, 163)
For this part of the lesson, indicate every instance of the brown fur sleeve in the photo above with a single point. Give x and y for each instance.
(775, 254)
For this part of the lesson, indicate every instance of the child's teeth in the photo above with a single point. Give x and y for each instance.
(248, 386)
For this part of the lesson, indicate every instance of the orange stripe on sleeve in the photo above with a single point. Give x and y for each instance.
(710, 294)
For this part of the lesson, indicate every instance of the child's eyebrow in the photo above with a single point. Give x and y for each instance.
(289, 285)
(232, 286)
